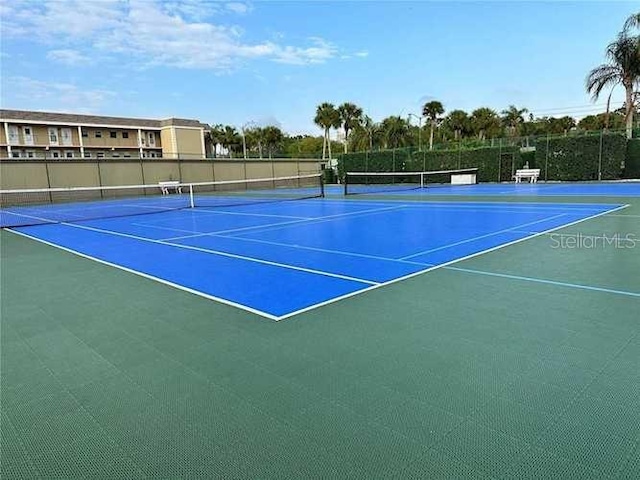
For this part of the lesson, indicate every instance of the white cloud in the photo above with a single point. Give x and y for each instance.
(59, 96)
(362, 54)
(239, 7)
(152, 33)
(67, 57)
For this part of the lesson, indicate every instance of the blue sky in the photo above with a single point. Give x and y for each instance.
(274, 62)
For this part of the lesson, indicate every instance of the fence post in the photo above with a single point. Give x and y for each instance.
(600, 156)
(46, 167)
(100, 177)
(142, 173)
(546, 161)
(499, 161)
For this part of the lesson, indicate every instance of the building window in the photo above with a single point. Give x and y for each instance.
(87, 154)
(53, 136)
(98, 134)
(55, 154)
(27, 133)
(151, 138)
(113, 134)
(125, 134)
(68, 154)
(85, 134)
(127, 155)
(115, 155)
(31, 154)
(65, 133)
(14, 138)
(15, 153)
(100, 155)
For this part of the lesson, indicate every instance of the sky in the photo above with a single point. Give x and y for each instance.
(268, 62)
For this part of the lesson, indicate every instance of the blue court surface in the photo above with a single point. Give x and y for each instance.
(279, 259)
(613, 189)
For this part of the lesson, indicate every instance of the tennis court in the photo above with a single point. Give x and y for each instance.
(476, 331)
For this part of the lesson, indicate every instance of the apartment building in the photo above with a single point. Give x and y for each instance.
(47, 135)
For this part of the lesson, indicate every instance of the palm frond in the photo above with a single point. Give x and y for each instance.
(601, 77)
(632, 22)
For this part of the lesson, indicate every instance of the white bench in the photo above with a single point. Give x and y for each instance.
(531, 173)
(170, 185)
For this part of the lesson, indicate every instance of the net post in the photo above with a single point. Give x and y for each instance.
(321, 185)
(345, 181)
(422, 175)
(191, 203)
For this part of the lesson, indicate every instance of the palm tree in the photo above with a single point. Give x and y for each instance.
(395, 131)
(485, 121)
(273, 136)
(458, 121)
(254, 138)
(431, 110)
(370, 127)
(350, 117)
(231, 139)
(216, 137)
(513, 117)
(622, 68)
(327, 117)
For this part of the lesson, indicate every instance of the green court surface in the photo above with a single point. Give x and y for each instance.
(520, 363)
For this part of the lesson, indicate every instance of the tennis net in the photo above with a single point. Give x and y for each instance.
(26, 207)
(381, 182)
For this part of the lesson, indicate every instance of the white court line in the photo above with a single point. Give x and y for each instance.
(223, 212)
(48, 220)
(547, 282)
(323, 250)
(222, 254)
(151, 277)
(436, 267)
(462, 242)
(268, 226)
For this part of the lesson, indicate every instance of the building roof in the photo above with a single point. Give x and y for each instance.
(76, 119)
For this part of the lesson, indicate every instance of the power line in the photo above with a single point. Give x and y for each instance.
(578, 109)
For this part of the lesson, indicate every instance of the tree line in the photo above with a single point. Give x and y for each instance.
(435, 125)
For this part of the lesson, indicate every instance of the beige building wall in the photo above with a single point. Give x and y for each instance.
(90, 139)
(169, 149)
(186, 143)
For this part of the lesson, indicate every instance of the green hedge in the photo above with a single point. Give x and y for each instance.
(632, 160)
(487, 160)
(578, 158)
(558, 158)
